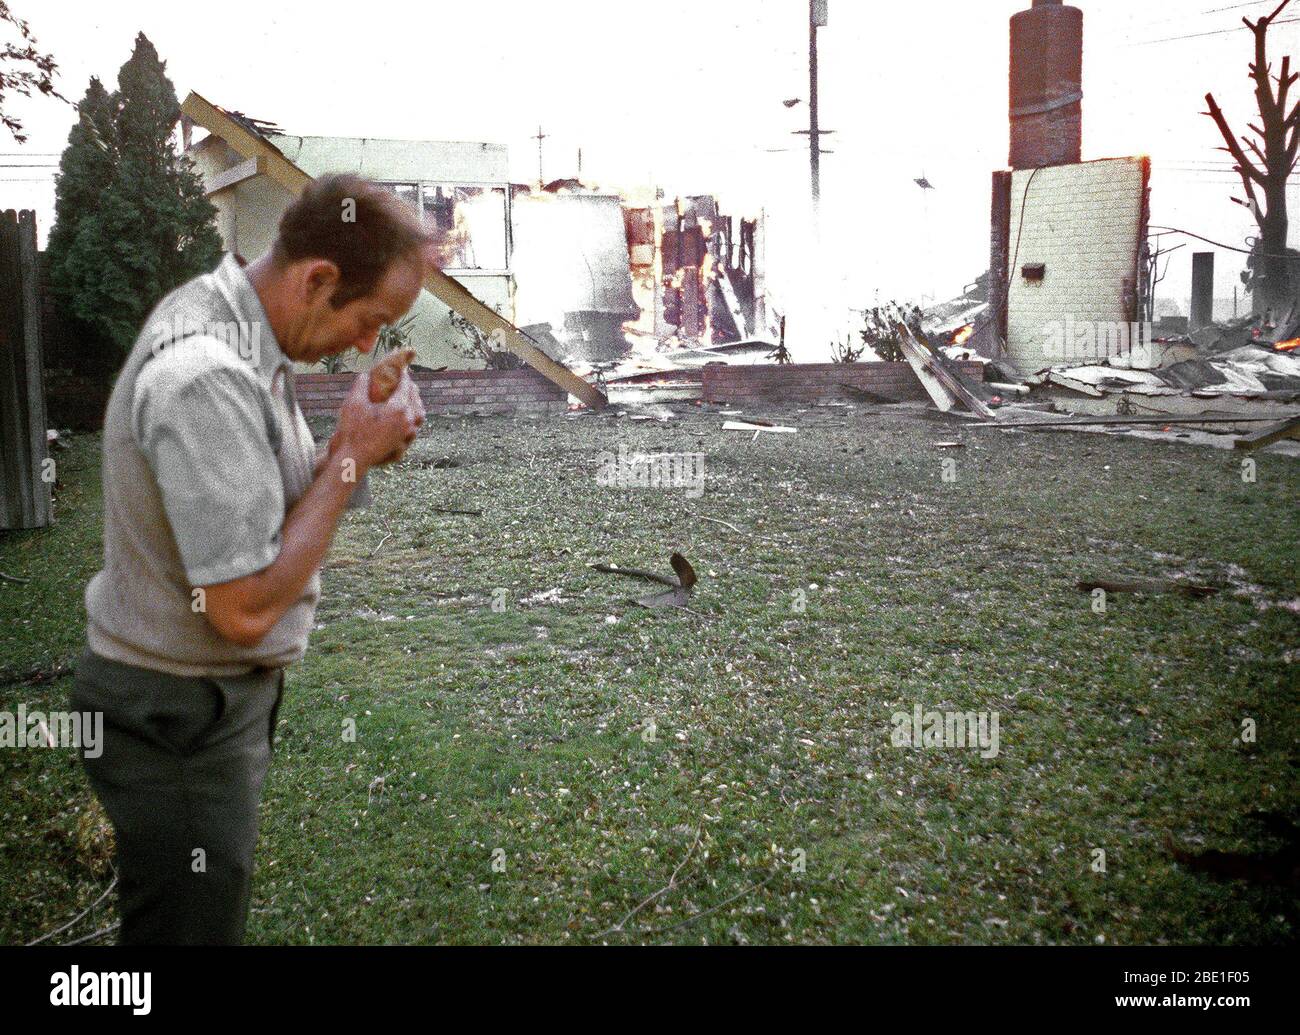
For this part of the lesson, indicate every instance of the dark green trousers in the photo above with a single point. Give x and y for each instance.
(180, 775)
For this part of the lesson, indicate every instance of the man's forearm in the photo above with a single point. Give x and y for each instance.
(304, 540)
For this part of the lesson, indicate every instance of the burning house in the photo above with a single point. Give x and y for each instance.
(615, 275)
(592, 276)
(703, 267)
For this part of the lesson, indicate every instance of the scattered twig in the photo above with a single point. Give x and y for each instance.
(455, 510)
(388, 534)
(679, 589)
(59, 930)
(4, 576)
(98, 934)
(672, 883)
(721, 905)
(36, 676)
(739, 531)
(727, 524)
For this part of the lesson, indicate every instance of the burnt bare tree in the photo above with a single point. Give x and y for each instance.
(23, 69)
(1275, 147)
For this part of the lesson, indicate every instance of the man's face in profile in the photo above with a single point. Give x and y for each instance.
(327, 331)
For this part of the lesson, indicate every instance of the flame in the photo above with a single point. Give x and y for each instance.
(962, 335)
(1287, 346)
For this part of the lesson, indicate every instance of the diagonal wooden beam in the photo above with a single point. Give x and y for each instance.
(450, 291)
(246, 143)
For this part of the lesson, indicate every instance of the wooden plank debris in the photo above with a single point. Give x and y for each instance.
(1187, 589)
(954, 383)
(733, 303)
(236, 174)
(1289, 428)
(1117, 419)
(741, 425)
(943, 398)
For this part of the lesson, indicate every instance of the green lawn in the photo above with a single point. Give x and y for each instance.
(520, 734)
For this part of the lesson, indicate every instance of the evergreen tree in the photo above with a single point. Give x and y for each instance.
(127, 235)
(85, 170)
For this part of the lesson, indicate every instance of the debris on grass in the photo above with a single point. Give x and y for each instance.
(548, 596)
(679, 591)
(1266, 436)
(1187, 589)
(756, 427)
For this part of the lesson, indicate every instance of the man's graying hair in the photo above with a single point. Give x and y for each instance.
(355, 224)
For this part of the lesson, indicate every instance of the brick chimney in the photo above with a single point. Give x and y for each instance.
(1046, 85)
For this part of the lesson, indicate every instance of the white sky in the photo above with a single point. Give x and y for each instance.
(688, 93)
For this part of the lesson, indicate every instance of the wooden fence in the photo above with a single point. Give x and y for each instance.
(24, 488)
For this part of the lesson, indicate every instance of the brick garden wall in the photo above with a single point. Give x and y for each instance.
(815, 382)
(447, 391)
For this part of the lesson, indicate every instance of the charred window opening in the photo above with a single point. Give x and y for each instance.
(469, 223)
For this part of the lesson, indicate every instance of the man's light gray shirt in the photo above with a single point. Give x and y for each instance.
(204, 452)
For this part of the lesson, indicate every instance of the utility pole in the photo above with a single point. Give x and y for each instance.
(816, 17)
(541, 180)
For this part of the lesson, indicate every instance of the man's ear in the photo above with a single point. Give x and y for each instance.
(317, 280)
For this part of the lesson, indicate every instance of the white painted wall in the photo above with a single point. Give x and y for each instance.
(1083, 222)
(449, 160)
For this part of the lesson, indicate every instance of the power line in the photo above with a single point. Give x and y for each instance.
(1197, 35)
(1196, 171)
(1217, 244)
(1237, 7)
(1199, 14)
